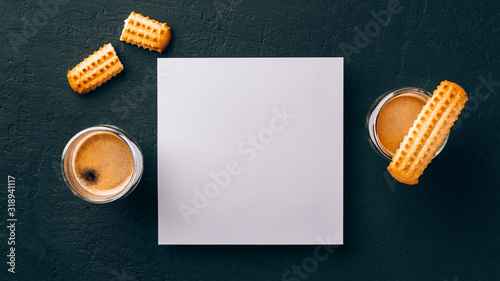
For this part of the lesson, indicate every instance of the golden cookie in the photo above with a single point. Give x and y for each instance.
(95, 70)
(145, 32)
(429, 130)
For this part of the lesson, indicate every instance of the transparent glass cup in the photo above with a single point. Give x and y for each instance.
(373, 113)
(69, 174)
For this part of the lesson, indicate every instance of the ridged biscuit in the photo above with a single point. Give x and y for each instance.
(429, 130)
(145, 32)
(95, 70)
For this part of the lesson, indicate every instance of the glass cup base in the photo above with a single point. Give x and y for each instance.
(376, 108)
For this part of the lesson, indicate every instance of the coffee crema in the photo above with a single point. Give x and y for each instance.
(103, 163)
(395, 119)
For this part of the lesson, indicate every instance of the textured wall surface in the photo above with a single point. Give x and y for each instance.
(445, 228)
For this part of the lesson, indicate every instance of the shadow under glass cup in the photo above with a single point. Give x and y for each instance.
(391, 116)
(101, 164)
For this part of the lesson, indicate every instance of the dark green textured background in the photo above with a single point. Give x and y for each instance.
(445, 228)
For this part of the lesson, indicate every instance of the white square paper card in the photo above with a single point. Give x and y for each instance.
(250, 151)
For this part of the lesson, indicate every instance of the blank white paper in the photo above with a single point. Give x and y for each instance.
(250, 151)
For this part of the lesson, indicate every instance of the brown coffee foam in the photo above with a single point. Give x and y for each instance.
(428, 132)
(396, 117)
(103, 164)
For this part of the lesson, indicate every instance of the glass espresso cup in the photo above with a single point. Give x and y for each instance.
(392, 115)
(102, 164)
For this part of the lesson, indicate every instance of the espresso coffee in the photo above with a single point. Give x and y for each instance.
(396, 118)
(103, 164)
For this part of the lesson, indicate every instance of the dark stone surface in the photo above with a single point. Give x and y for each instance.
(445, 228)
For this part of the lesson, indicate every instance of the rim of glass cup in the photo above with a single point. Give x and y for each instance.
(372, 116)
(134, 149)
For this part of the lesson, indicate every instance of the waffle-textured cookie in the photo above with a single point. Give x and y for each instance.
(145, 32)
(95, 70)
(429, 130)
